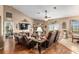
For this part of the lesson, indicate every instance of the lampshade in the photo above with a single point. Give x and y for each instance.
(46, 19)
(39, 29)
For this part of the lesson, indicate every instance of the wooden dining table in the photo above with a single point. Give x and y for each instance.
(39, 42)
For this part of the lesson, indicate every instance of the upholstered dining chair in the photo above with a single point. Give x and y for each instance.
(56, 36)
(1, 43)
(51, 39)
(48, 41)
(16, 38)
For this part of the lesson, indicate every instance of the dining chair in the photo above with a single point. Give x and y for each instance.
(31, 44)
(1, 43)
(51, 39)
(56, 36)
(48, 41)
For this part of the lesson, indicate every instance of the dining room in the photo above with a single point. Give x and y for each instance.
(39, 29)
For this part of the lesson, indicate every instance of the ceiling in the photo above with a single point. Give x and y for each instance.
(53, 11)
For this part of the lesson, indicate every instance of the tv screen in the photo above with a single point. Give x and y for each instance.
(23, 26)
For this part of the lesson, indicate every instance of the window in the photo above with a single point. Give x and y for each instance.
(9, 15)
(52, 27)
(75, 26)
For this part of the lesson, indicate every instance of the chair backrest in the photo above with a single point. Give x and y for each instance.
(56, 36)
(49, 35)
(1, 42)
(23, 39)
(52, 38)
(16, 37)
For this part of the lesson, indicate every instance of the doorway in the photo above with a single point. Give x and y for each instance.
(8, 29)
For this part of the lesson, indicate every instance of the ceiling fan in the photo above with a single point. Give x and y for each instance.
(46, 12)
(46, 16)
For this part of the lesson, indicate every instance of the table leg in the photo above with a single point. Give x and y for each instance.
(39, 48)
(72, 39)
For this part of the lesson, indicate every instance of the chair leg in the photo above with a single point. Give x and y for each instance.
(72, 40)
(56, 46)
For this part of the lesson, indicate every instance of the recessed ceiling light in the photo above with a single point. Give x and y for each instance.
(45, 11)
(54, 7)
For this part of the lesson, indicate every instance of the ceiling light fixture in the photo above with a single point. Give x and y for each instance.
(46, 17)
(54, 7)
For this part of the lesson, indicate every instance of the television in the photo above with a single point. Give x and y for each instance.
(23, 26)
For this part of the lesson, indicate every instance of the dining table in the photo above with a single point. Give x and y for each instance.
(39, 42)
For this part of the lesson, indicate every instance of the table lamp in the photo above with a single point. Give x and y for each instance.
(39, 30)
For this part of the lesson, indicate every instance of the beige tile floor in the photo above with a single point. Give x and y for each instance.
(74, 47)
